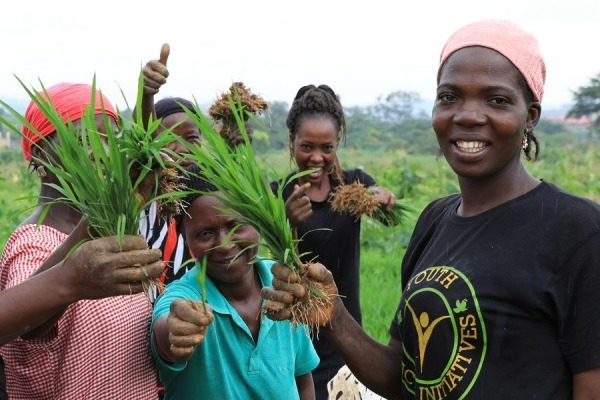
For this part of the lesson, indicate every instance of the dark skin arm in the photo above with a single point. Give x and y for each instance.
(306, 388)
(586, 385)
(155, 75)
(97, 269)
(177, 334)
(376, 365)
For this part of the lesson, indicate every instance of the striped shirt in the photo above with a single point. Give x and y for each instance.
(164, 234)
(99, 349)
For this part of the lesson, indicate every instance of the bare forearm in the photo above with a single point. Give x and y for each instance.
(586, 385)
(376, 365)
(147, 109)
(306, 388)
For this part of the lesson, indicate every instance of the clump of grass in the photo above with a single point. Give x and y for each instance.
(109, 178)
(225, 119)
(356, 199)
(153, 169)
(247, 194)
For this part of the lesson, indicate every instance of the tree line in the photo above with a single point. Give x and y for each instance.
(395, 121)
(399, 121)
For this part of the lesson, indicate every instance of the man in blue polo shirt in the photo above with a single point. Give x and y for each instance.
(223, 348)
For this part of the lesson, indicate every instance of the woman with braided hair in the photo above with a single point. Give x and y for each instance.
(500, 281)
(317, 125)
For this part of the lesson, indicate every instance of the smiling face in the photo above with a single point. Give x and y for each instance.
(186, 129)
(481, 113)
(314, 146)
(207, 231)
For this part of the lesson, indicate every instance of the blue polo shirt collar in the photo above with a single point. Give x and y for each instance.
(217, 301)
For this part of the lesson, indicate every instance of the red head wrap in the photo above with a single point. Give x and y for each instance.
(70, 101)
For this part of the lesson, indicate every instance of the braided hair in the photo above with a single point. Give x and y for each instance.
(318, 101)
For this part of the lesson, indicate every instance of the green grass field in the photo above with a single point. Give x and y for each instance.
(419, 179)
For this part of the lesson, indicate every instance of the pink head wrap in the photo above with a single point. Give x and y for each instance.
(508, 39)
(70, 101)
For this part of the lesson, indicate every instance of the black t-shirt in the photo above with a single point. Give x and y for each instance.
(504, 304)
(338, 248)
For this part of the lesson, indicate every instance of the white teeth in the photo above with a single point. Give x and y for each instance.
(470, 146)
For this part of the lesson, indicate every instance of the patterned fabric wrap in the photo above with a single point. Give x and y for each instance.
(345, 386)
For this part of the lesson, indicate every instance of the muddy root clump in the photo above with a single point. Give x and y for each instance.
(314, 309)
(354, 199)
(156, 183)
(224, 117)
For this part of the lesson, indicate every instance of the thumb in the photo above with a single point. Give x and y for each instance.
(319, 273)
(164, 54)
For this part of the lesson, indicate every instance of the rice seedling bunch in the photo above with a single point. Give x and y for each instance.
(224, 118)
(244, 189)
(153, 170)
(356, 199)
(109, 178)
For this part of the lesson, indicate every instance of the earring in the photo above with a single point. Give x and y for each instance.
(40, 169)
(525, 143)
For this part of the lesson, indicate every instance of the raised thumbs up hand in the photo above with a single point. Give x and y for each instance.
(155, 72)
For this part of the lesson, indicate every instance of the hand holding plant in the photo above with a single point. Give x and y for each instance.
(187, 323)
(109, 173)
(356, 199)
(245, 191)
(289, 288)
(108, 177)
(102, 267)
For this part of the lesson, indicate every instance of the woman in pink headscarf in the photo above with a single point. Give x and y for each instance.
(501, 282)
(88, 349)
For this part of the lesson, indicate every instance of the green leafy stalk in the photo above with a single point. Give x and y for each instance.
(100, 174)
(202, 281)
(244, 189)
(398, 214)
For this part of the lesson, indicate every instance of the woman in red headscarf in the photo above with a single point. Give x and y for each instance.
(94, 349)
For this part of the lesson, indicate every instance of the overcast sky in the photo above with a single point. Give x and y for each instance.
(362, 49)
